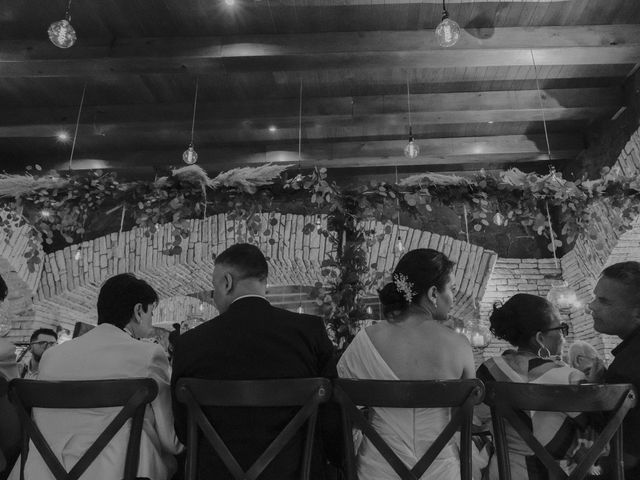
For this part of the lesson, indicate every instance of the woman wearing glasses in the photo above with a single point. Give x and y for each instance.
(532, 325)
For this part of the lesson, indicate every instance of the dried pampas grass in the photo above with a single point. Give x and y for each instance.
(248, 178)
(434, 178)
(15, 186)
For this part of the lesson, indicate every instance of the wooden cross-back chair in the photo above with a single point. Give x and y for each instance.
(4, 388)
(461, 395)
(132, 395)
(509, 400)
(307, 393)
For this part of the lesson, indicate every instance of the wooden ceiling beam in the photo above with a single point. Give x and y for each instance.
(493, 150)
(369, 114)
(512, 46)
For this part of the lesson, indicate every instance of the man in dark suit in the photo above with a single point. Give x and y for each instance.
(251, 340)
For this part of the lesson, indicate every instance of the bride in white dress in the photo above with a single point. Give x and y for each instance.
(413, 344)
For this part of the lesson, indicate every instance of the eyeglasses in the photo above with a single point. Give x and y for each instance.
(44, 343)
(564, 328)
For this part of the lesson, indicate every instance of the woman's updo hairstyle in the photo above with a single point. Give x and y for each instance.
(416, 272)
(520, 318)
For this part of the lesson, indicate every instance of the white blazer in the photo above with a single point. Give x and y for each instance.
(106, 352)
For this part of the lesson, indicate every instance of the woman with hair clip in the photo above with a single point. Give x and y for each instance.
(413, 344)
(532, 325)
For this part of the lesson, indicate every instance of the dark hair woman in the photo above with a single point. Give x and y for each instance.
(413, 344)
(533, 326)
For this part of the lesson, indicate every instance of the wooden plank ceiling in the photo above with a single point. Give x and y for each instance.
(479, 104)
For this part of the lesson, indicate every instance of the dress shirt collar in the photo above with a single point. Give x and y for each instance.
(249, 296)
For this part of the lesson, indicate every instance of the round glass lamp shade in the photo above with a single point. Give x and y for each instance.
(479, 336)
(447, 32)
(563, 296)
(190, 156)
(412, 150)
(62, 34)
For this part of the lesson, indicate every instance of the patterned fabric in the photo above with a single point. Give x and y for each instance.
(558, 432)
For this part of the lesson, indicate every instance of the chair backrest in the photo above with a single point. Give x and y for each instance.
(459, 394)
(510, 400)
(132, 395)
(307, 393)
(4, 387)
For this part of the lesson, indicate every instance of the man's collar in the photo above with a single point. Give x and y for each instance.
(635, 333)
(250, 296)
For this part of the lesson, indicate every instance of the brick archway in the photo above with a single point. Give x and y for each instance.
(70, 280)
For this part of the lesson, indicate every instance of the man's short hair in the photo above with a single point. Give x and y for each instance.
(119, 295)
(628, 274)
(247, 259)
(43, 331)
(4, 290)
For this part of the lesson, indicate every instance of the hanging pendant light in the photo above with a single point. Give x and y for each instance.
(190, 156)
(399, 247)
(499, 219)
(61, 33)
(369, 310)
(411, 150)
(563, 296)
(447, 31)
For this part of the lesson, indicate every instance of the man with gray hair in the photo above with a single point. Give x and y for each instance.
(616, 311)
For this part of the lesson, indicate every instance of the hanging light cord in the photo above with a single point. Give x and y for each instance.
(553, 240)
(544, 119)
(195, 102)
(75, 134)
(300, 129)
(67, 12)
(408, 109)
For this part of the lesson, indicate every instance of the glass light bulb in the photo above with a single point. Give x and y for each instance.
(412, 150)
(78, 255)
(318, 221)
(201, 307)
(563, 296)
(62, 34)
(499, 219)
(190, 156)
(369, 310)
(447, 32)
(300, 309)
(399, 246)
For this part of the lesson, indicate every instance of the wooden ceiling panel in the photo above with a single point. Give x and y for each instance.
(474, 104)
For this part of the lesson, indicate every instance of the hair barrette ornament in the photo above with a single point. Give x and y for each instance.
(404, 286)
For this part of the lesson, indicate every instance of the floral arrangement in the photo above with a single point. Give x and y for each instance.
(63, 208)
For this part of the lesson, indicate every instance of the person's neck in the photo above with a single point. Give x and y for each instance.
(629, 332)
(34, 364)
(420, 312)
(249, 290)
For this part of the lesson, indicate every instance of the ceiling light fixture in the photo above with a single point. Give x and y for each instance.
(61, 33)
(447, 31)
(63, 136)
(190, 156)
(411, 150)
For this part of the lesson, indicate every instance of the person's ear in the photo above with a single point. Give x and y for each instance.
(228, 282)
(138, 310)
(432, 296)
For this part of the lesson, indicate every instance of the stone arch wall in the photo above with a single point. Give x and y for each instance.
(70, 279)
(582, 266)
(21, 282)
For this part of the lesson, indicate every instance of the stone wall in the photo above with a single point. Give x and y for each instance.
(582, 266)
(71, 278)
